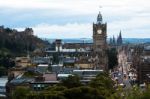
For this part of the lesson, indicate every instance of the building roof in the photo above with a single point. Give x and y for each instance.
(50, 77)
(59, 65)
(2, 95)
(43, 65)
(3, 81)
(147, 48)
(87, 70)
(21, 81)
(64, 75)
(46, 82)
(69, 60)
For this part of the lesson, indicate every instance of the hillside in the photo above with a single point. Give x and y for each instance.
(19, 42)
(16, 43)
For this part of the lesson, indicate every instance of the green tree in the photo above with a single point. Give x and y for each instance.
(71, 81)
(104, 84)
(146, 93)
(131, 93)
(45, 95)
(83, 92)
(20, 93)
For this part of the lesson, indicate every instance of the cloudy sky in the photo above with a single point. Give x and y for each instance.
(74, 18)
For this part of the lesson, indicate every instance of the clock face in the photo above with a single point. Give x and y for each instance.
(99, 31)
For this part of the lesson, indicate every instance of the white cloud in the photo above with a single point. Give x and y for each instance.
(77, 6)
(131, 16)
(74, 30)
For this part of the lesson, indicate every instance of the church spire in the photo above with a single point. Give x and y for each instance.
(119, 39)
(120, 34)
(99, 18)
(114, 41)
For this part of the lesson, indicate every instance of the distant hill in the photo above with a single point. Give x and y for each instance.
(76, 40)
(136, 40)
(89, 40)
(18, 42)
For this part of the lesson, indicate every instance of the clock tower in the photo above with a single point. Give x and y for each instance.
(100, 43)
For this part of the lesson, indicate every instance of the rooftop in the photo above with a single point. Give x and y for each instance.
(50, 77)
(43, 65)
(63, 75)
(3, 81)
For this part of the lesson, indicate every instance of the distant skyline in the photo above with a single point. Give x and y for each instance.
(74, 18)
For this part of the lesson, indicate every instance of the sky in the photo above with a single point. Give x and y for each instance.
(74, 18)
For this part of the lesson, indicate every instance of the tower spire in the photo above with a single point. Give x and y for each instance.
(119, 39)
(114, 41)
(120, 34)
(99, 18)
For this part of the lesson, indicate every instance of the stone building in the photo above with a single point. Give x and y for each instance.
(96, 51)
(141, 62)
(144, 67)
(100, 43)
